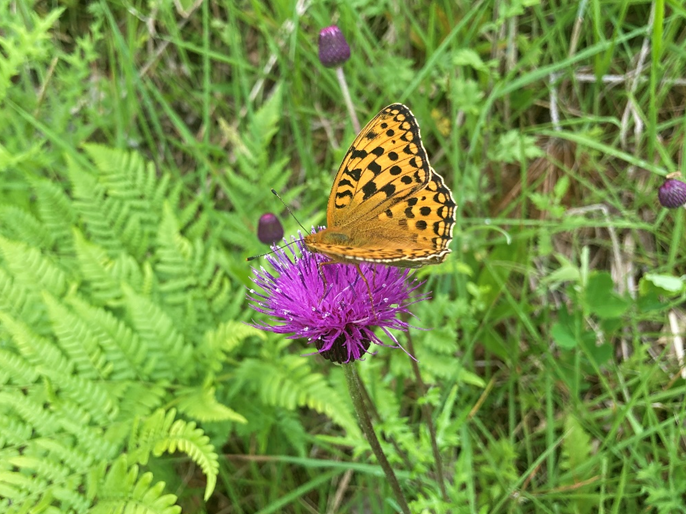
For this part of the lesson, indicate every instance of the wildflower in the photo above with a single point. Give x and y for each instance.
(339, 318)
(333, 48)
(672, 193)
(269, 229)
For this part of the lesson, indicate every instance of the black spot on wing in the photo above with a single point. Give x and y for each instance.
(378, 151)
(388, 189)
(374, 167)
(369, 189)
(355, 174)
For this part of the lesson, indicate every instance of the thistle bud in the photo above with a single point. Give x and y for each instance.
(333, 48)
(269, 229)
(672, 193)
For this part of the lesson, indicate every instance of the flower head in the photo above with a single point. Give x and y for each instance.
(333, 48)
(339, 318)
(672, 193)
(269, 229)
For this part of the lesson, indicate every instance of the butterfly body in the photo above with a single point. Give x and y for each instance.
(387, 205)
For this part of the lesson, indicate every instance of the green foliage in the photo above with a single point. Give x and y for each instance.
(129, 293)
(550, 350)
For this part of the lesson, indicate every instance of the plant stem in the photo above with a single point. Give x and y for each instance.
(365, 423)
(426, 413)
(348, 101)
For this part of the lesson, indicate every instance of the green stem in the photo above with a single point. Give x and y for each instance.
(366, 425)
(348, 101)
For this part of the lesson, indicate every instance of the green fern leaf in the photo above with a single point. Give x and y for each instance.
(77, 340)
(124, 492)
(160, 433)
(292, 384)
(18, 224)
(201, 404)
(18, 368)
(185, 437)
(166, 346)
(125, 352)
(35, 349)
(33, 269)
(56, 212)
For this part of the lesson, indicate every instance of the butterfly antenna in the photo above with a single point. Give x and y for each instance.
(289, 210)
(253, 257)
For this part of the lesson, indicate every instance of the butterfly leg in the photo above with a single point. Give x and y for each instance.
(369, 289)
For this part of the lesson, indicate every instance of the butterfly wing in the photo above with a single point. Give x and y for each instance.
(386, 163)
(413, 232)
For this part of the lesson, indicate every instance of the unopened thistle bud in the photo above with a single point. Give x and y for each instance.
(333, 48)
(269, 229)
(672, 193)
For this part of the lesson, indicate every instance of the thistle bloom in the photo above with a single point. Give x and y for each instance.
(339, 318)
(269, 229)
(333, 48)
(672, 193)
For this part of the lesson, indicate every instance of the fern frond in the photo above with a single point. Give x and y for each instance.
(185, 437)
(125, 352)
(14, 431)
(292, 384)
(18, 301)
(18, 224)
(90, 395)
(96, 264)
(31, 411)
(56, 212)
(201, 404)
(225, 339)
(21, 371)
(36, 349)
(77, 340)
(71, 455)
(124, 492)
(160, 433)
(166, 346)
(32, 268)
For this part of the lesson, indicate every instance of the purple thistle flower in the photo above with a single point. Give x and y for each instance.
(269, 229)
(340, 319)
(672, 193)
(333, 48)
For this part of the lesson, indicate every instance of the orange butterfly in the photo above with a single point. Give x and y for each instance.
(387, 204)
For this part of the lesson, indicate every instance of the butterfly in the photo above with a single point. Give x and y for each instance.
(387, 204)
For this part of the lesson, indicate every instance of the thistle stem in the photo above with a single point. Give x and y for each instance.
(348, 101)
(353, 380)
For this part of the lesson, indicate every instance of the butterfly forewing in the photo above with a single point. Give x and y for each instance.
(385, 163)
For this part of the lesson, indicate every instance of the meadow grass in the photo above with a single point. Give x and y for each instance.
(551, 348)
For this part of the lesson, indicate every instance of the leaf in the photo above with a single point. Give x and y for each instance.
(666, 284)
(601, 299)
